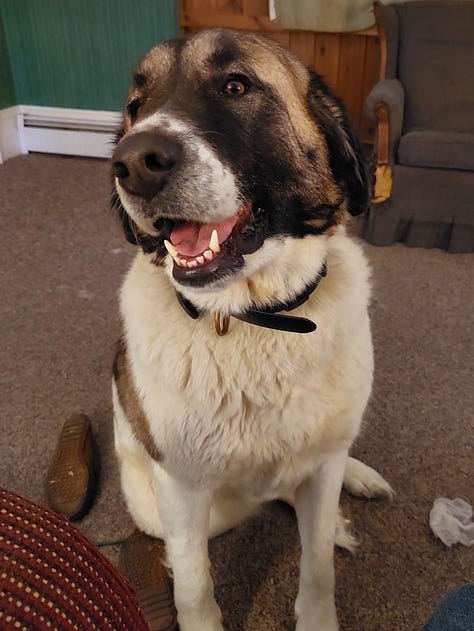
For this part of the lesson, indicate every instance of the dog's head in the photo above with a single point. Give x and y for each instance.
(230, 143)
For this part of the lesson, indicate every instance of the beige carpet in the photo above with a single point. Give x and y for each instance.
(61, 260)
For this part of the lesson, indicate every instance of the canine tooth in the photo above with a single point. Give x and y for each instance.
(200, 259)
(214, 242)
(171, 249)
(208, 255)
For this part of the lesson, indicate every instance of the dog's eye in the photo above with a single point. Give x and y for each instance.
(132, 108)
(236, 86)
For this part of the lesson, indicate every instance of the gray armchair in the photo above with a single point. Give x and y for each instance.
(424, 107)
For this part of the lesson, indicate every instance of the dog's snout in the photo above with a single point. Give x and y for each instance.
(143, 161)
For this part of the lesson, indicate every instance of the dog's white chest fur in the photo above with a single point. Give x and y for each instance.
(255, 406)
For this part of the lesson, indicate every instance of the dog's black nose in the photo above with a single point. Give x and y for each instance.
(142, 162)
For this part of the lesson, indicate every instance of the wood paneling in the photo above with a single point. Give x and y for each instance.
(303, 46)
(227, 6)
(351, 73)
(348, 61)
(282, 37)
(327, 53)
(371, 76)
(255, 7)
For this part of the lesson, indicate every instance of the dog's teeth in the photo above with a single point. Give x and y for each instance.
(171, 249)
(208, 255)
(214, 242)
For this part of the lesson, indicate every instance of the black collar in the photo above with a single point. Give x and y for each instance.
(269, 317)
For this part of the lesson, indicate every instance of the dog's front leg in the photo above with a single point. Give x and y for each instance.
(185, 513)
(316, 504)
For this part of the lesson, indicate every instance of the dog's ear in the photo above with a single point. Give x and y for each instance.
(346, 158)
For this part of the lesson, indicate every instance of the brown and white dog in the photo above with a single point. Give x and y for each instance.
(235, 173)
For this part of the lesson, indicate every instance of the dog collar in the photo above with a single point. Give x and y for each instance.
(268, 317)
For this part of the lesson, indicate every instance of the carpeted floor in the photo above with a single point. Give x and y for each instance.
(62, 258)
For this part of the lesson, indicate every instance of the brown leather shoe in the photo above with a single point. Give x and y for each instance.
(141, 563)
(73, 475)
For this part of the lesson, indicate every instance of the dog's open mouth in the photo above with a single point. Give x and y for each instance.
(205, 252)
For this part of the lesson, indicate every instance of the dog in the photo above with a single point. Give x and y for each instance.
(245, 363)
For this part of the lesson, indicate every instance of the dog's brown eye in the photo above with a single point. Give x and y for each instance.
(235, 86)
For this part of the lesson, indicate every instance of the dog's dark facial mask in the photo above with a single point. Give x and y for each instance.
(228, 141)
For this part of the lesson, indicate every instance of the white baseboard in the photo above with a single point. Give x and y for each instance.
(26, 128)
(11, 123)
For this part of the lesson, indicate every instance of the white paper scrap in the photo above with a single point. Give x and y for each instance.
(451, 521)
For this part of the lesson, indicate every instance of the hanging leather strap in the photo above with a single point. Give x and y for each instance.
(383, 170)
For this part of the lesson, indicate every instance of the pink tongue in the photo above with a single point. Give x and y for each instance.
(192, 239)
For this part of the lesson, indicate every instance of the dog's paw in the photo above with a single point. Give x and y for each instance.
(199, 624)
(344, 537)
(363, 481)
(206, 617)
(319, 613)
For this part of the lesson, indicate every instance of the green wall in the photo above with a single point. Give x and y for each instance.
(80, 53)
(7, 87)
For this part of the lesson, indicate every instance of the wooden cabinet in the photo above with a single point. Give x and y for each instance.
(348, 61)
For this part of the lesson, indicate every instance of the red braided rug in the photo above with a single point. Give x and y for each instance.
(52, 577)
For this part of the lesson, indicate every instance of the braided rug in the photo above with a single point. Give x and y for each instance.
(52, 577)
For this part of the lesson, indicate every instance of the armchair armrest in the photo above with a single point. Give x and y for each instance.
(388, 93)
(385, 103)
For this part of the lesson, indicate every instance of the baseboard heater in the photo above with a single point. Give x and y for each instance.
(61, 130)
